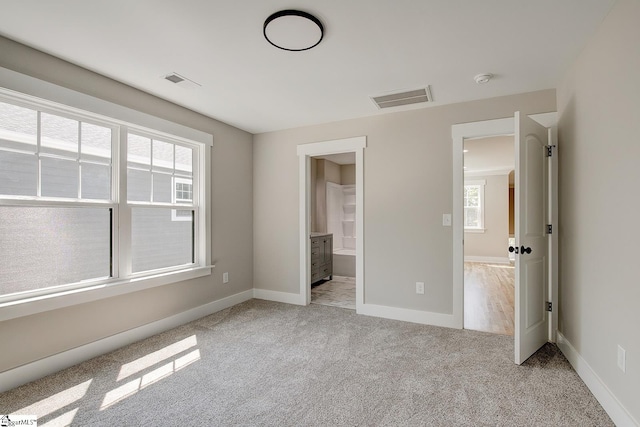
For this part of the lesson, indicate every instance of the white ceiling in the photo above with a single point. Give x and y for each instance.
(371, 47)
(489, 156)
(340, 159)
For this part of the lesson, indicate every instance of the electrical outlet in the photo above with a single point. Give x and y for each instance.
(622, 359)
(225, 277)
(420, 288)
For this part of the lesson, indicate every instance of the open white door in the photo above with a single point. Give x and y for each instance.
(531, 319)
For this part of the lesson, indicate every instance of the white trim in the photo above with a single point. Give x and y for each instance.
(496, 127)
(304, 221)
(205, 205)
(489, 172)
(80, 103)
(505, 126)
(43, 96)
(49, 365)
(618, 413)
(487, 259)
(548, 120)
(305, 152)
(285, 297)
(475, 230)
(408, 315)
(336, 146)
(459, 133)
(67, 298)
(553, 204)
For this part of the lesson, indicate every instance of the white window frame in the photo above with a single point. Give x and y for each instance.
(125, 217)
(481, 183)
(26, 91)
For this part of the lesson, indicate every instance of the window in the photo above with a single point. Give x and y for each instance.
(473, 205)
(72, 215)
(182, 193)
(154, 168)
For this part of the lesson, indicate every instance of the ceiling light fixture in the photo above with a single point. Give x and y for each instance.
(483, 78)
(293, 30)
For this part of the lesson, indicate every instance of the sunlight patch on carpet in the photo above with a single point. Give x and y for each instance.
(132, 387)
(57, 401)
(151, 359)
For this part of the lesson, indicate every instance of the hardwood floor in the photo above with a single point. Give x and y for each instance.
(488, 297)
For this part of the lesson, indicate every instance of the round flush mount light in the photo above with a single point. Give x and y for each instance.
(483, 78)
(293, 30)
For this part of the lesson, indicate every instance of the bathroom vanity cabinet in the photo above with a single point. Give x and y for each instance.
(321, 256)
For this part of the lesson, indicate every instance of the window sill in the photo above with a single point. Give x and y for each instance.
(42, 303)
(475, 230)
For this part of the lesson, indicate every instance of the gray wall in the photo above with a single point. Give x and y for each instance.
(348, 174)
(495, 240)
(407, 188)
(322, 171)
(599, 110)
(231, 177)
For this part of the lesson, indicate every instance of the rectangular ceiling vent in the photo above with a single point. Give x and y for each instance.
(403, 98)
(174, 78)
(181, 80)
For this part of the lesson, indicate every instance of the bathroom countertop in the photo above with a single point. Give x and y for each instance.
(316, 234)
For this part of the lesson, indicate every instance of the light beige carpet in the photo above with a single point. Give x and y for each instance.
(265, 363)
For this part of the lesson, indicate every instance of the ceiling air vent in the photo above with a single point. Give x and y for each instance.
(181, 80)
(174, 78)
(403, 98)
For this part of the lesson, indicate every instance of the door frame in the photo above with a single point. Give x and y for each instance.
(305, 152)
(487, 128)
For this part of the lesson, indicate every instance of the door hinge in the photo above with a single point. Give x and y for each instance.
(549, 306)
(549, 152)
(549, 229)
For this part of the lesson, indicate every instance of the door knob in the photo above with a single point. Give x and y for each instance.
(512, 249)
(524, 250)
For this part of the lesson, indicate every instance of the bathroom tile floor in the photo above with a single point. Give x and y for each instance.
(338, 292)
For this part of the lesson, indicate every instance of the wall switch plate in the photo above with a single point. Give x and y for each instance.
(420, 288)
(225, 277)
(446, 220)
(622, 359)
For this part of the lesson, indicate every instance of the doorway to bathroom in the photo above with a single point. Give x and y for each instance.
(331, 238)
(333, 222)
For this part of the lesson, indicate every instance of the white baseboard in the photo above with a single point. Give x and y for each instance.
(407, 315)
(487, 259)
(395, 313)
(618, 413)
(49, 365)
(285, 297)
